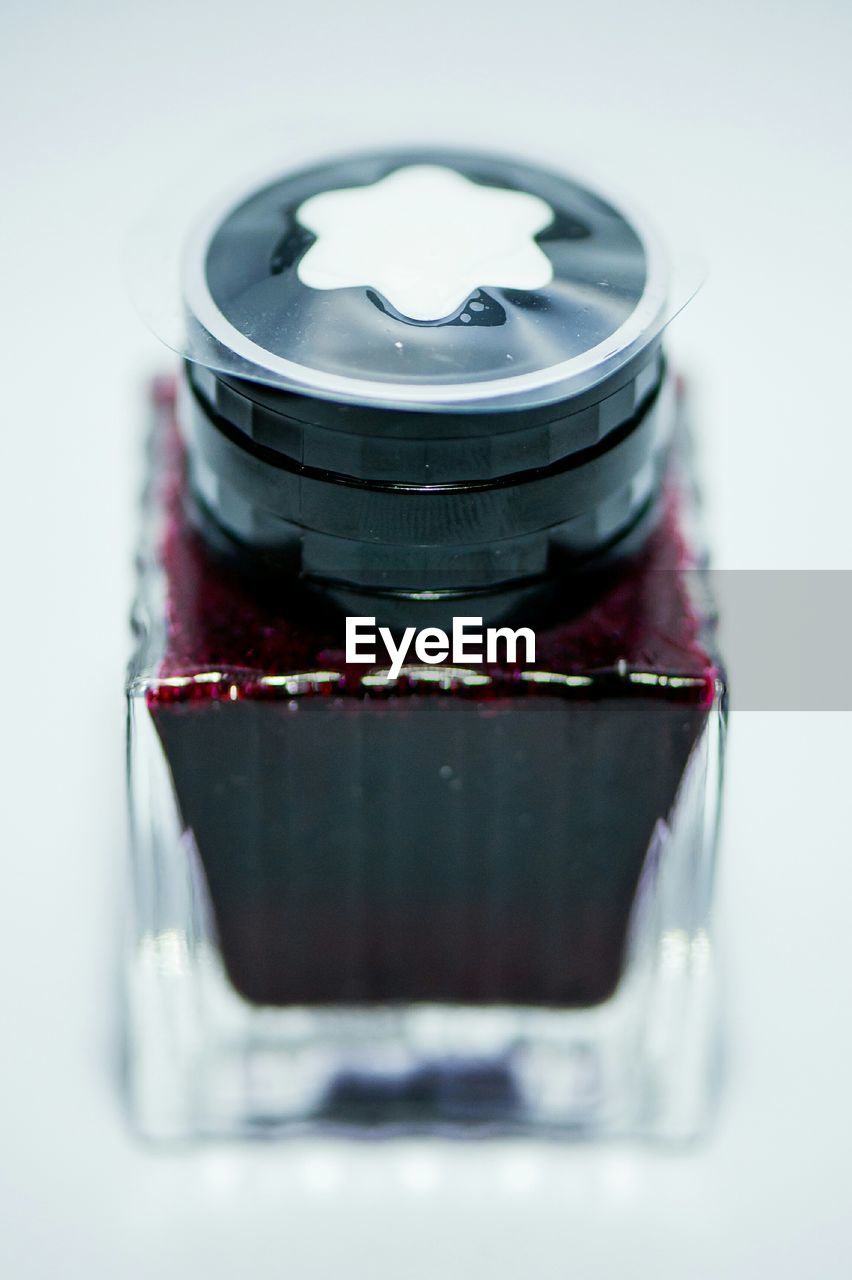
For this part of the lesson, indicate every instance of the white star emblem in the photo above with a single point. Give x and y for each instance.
(425, 238)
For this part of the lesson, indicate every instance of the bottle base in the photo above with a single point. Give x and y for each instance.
(459, 1071)
(202, 1061)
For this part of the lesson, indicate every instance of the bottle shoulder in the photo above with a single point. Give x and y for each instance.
(208, 630)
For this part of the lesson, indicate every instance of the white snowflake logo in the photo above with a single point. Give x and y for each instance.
(425, 238)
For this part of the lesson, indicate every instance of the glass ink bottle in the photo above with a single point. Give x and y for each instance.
(469, 887)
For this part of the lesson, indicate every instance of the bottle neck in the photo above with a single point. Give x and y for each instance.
(496, 545)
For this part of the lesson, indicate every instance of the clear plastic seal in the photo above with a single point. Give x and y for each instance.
(419, 277)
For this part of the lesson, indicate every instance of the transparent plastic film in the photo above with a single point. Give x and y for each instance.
(409, 277)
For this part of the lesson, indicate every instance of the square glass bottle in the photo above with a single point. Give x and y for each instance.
(471, 892)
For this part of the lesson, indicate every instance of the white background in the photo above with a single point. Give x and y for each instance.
(733, 118)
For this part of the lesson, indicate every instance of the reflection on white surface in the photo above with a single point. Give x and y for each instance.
(322, 1174)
